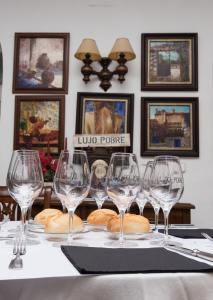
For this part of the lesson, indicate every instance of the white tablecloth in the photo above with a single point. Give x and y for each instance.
(47, 274)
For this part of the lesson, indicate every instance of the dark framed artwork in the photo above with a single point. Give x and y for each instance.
(39, 123)
(170, 126)
(41, 63)
(100, 113)
(169, 62)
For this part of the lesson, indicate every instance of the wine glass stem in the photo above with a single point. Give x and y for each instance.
(23, 220)
(166, 225)
(64, 209)
(30, 213)
(99, 205)
(70, 234)
(156, 218)
(121, 237)
(141, 208)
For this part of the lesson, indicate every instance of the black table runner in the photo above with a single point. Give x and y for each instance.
(88, 260)
(189, 233)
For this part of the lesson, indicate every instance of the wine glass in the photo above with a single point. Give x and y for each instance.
(166, 185)
(98, 184)
(141, 199)
(25, 182)
(146, 189)
(72, 184)
(123, 182)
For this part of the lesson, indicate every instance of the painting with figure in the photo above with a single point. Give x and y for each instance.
(104, 116)
(40, 63)
(170, 126)
(38, 123)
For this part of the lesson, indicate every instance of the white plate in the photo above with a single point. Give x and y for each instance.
(41, 230)
(96, 227)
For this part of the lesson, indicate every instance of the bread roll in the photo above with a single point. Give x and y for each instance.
(60, 224)
(44, 216)
(101, 216)
(132, 224)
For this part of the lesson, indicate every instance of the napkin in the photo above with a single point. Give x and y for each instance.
(88, 260)
(189, 233)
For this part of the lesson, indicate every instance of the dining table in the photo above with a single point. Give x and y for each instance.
(48, 274)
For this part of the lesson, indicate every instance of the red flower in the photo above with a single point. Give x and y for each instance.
(48, 164)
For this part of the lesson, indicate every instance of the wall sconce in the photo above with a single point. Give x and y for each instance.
(121, 52)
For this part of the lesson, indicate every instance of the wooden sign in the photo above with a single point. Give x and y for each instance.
(102, 140)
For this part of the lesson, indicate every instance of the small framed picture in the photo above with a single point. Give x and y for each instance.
(39, 123)
(41, 63)
(100, 113)
(169, 62)
(169, 126)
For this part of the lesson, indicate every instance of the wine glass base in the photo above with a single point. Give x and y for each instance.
(73, 243)
(29, 242)
(56, 239)
(164, 243)
(29, 235)
(118, 244)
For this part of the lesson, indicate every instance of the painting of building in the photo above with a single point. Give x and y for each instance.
(170, 127)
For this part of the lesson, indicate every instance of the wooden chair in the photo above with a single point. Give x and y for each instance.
(47, 193)
(8, 207)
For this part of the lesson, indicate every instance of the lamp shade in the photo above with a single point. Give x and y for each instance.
(122, 45)
(88, 46)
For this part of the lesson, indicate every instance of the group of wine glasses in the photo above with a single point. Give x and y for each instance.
(162, 184)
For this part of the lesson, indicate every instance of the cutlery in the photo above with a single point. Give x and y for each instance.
(193, 252)
(17, 262)
(208, 237)
(19, 249)
(181, 225)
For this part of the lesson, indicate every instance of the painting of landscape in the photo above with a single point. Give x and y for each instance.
(169, 61)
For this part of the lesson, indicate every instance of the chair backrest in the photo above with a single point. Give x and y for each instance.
(47, 192)
(8, 207)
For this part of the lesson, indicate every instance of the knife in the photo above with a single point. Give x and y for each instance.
(192, 252)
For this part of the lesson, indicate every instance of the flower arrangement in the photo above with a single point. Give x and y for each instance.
(48, 164)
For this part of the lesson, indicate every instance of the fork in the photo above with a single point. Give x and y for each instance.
(19, 245)
(18, 248)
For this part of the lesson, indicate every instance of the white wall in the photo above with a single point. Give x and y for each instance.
(105, 20)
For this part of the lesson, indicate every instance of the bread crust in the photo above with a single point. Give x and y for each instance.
(132, 224)
(60, 224)
(101, 216)
(44, 216)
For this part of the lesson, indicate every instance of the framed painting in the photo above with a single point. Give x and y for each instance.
(99, 113)
(39, 123)
(41, 63)
(169, 62)
(169, 126)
